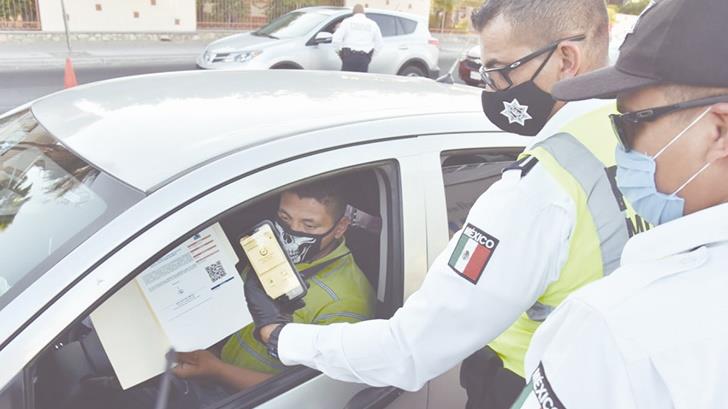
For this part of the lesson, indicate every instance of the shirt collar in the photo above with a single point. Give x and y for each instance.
(339, 251)
(707, 226)
(566, 114)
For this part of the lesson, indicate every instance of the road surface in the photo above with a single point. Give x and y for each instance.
(20, 86)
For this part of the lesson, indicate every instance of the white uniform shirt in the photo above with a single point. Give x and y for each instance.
(358, 33)
(651, 335)
(450, 317)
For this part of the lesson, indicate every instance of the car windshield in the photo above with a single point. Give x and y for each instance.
(293, 24)
(50, 201)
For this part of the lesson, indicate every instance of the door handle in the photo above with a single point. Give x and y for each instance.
(403, 47)
(374, 398)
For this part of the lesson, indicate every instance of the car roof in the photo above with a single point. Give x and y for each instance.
(148, 130)
(332, 10)
(325, 9)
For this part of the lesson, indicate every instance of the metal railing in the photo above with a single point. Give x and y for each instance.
(19, 15)
(248, 14)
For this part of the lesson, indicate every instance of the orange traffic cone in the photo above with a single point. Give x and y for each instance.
(69, 77)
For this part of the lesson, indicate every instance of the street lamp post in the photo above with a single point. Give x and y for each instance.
(65, 25)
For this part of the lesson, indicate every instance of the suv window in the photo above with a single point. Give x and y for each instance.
(406, 26)
(293, 24)
(388, 24)
(359, 281)
(467, 174)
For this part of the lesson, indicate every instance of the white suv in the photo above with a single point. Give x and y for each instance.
(301, 39)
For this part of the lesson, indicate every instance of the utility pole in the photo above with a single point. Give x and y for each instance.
(69, 75)
(65, 25)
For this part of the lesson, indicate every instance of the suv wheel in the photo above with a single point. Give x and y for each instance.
(285, 66)
(413, 71)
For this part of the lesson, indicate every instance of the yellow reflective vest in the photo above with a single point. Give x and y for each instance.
(581, 160)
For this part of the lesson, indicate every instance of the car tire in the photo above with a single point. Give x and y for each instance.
(285, 67)
(412, 71)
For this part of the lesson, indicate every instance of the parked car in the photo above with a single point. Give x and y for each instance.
(302, 38)
(101, 181)
(469, 66)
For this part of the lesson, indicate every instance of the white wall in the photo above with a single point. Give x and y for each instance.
(118, 15)
(418, 7)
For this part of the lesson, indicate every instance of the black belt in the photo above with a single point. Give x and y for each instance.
(349, 50)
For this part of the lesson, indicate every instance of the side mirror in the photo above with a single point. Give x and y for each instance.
(323, 37)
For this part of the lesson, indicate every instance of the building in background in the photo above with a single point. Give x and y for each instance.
(167, 16)
(119, 16)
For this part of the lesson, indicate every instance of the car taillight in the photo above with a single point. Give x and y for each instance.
(434, 41)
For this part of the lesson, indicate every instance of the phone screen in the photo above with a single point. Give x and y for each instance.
(270, 263)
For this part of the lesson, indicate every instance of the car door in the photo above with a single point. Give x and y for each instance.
(324, 56)
(467, 165)
(387, 60)
(396, 165)
(324, 392)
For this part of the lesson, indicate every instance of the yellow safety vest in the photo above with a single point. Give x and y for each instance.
(585, 169)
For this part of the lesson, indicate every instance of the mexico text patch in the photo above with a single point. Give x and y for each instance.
(472, 253)
(542, 390)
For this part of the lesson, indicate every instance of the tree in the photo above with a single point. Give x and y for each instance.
(18, 11)
(278, 8)
(441, 9)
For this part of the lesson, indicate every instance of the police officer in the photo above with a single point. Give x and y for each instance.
(359, 37)
(551, 225)
(652, 335)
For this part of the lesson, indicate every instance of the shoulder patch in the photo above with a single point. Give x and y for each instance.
(542, 390)
(472, 253)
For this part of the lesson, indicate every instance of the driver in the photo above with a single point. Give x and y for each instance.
(311, 223)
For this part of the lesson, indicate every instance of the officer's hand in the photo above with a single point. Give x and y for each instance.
(263, 309)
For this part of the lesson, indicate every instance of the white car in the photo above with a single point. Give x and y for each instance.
(100, 181)
(301, 39)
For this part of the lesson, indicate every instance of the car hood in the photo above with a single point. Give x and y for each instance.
(241, 42)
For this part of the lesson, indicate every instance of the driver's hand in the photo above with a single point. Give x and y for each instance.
(197, 364)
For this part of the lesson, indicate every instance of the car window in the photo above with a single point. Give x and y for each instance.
(293, 24)
(334, 24)
(13, 395)
(175, 297)
(406, 26)
(467, 174)
(387, 24)
(50, 201)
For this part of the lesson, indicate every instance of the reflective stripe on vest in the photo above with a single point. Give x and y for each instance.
(589, 172)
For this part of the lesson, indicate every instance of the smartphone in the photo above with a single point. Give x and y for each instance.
(279, 277)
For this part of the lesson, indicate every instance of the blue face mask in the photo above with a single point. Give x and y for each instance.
(636, 180)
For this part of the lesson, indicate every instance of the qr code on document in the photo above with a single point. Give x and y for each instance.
(216, 271)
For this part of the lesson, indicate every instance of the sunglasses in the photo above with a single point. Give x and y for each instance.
(498, 78)
(625, 125)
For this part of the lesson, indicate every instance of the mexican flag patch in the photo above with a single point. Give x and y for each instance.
(472, 253)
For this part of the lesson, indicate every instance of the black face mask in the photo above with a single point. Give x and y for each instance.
(523, 109)
(300, 247)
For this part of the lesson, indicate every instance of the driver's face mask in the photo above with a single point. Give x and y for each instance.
(299, 246)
